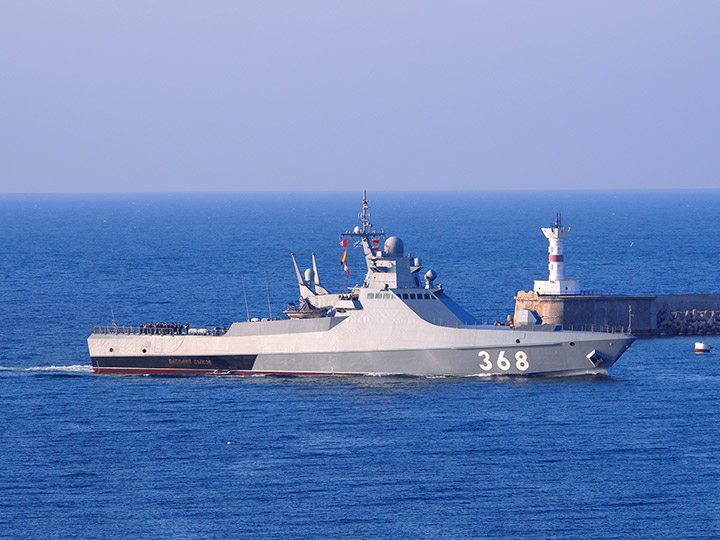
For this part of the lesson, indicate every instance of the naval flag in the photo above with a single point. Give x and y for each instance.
(343, 261)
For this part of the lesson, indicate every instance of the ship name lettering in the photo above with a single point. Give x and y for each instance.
(202, 361)
(176, 361)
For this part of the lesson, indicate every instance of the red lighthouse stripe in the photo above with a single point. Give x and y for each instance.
(555, 258)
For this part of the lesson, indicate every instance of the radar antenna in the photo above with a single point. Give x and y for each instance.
(365, 214)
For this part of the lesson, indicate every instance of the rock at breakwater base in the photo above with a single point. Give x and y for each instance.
(689, 322)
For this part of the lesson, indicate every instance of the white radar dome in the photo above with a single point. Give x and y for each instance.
(393, 247)
(309, 274)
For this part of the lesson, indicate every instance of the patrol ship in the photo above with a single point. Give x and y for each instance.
(397, 322)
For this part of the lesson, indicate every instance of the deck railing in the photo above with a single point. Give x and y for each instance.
(221, 330)
(605, 329)
(160, 330)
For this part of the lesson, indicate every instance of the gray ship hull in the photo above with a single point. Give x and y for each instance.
(241, 351)
(545, 360)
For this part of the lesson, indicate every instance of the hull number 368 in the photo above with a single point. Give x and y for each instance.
(503, 362)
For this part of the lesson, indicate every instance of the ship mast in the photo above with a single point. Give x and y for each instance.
(366, 233)
(365, 214)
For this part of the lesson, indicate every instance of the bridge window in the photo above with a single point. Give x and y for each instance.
(370, 296)
(412, 296)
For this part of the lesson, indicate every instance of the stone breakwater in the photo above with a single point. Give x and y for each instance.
(690, 322)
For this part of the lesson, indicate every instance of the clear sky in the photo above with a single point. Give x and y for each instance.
(214, 95)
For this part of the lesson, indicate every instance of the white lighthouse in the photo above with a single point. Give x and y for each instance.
(556, 284)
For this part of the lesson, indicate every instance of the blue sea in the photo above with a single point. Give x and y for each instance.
(634, 454)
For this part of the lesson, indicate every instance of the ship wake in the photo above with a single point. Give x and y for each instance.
(76, 368)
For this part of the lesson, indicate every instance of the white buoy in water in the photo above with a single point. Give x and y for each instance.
(701, 347)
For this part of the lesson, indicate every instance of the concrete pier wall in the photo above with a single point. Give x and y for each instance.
(652, 315)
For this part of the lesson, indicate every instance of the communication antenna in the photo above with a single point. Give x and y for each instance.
(113, 316)
(365, 214)
(267, 288)
(247, 311)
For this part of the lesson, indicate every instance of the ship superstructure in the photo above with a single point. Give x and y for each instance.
(398, 321)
